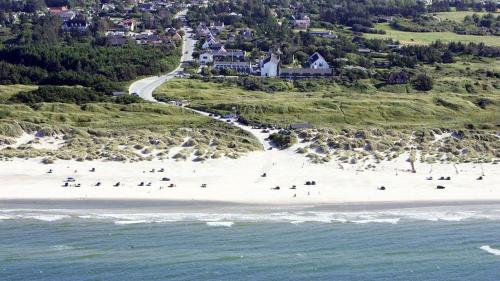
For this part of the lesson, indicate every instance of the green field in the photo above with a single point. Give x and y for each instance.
(457, 16)
(423, 38)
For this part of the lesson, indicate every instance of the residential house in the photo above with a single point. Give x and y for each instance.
(206, 58)
(222, 56)
(217, 47)
(364, 50)
(323, 34)
(128, 24)
(382, 63)
(301, 22)
(203, 31)
(80, 25)
(108, 7)
(317, 61)
(238, 66)
(172, 34)
(208, 43)
(218, 25)
(229, 55)
(247, 32)
(146, 7)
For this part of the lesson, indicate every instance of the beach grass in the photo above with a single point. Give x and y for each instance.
(118, 132)
(7, 91)
(425, 38)
(334, 106)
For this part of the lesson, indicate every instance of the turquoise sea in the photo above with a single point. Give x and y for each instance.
(102, 240)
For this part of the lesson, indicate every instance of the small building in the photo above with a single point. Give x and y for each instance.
(382, 63)
(317, 61)
(229, 55)
(247, 32)
(323, 34)
(238, 66)
(206, 58)
(128, 24)
(80, 25)
(364, 50)
(218, 25)
(301, 22)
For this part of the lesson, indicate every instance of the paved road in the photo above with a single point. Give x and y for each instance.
(145, 87)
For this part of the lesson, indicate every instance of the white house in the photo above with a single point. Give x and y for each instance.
(317, 61)
(206, 58)
(269, 66)
(208, 43)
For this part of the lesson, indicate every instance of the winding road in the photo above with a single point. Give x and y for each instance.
(144, 88)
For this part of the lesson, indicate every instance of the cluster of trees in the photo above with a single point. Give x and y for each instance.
(82, 64)
(439, 52)
(367, 11)
(462, 5)
(476, 25)
(486, 24)
(74, 95)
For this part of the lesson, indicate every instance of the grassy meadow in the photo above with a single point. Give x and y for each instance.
(424, 38)
(457, 16)
(334, 106)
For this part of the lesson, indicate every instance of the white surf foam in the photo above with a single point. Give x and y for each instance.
(131, 222)
(391, 221)
(48, 218)
(490, 250)
(220, 223)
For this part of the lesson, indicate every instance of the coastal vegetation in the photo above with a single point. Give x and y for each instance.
(120, 132)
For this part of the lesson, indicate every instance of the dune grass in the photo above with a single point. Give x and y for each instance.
(6, 91)
(340, 107)
(119, 132)
(424, 38)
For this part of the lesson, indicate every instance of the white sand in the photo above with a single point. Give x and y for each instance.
(240, 180)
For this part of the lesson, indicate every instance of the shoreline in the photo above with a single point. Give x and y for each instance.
(108, 203)
(240, 181)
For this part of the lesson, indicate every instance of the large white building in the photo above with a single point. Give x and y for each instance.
(269, 66)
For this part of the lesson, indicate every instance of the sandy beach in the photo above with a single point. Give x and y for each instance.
(241, 181)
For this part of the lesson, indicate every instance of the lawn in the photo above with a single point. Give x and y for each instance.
(423, 38)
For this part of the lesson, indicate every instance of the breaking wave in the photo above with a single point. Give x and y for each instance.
(295, 216)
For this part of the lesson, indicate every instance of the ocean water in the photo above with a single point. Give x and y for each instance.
(198, 241)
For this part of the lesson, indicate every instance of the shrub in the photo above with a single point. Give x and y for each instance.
(422, 82)
(283, 139)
